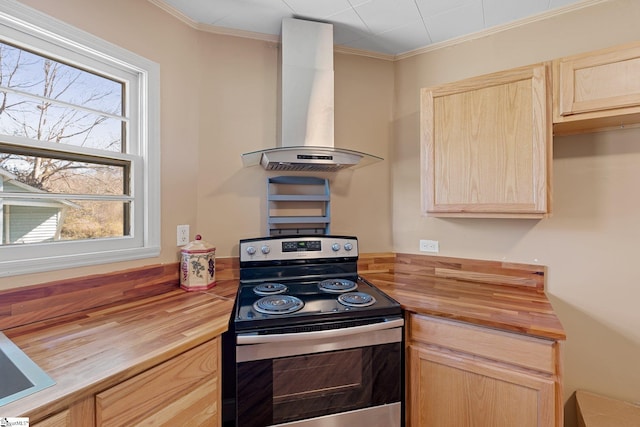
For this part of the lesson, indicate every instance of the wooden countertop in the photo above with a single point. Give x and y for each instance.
(495, 294)
(93, 350)
(513, 309)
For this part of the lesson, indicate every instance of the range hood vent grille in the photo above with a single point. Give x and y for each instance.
(304, 167)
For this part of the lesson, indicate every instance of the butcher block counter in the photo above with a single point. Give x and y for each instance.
(494, 294)
(91, 350)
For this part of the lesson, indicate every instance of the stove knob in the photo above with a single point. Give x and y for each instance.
(348, 247)
(335, 247)
(265, 249)
(251, 250)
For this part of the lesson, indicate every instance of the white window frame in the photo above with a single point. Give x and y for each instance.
(43, 34)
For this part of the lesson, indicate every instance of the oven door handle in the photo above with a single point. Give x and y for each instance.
(329, 333)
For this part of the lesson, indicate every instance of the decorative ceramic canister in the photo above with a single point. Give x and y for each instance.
(198, 266)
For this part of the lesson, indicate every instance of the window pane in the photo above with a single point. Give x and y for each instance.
(31, 73)
(24, 173)
(58, 123)
(36, 221)
(95, 219)
(66, 105)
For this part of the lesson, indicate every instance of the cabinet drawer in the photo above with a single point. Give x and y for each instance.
(520, 350)
(61, 419)
(185, 386)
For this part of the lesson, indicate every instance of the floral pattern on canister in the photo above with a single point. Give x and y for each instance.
(212, 267)
(197, 266)
(184, 266)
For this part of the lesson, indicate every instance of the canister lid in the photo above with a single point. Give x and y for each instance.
(198, 245)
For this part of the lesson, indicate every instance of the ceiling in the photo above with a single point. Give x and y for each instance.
(387, 27)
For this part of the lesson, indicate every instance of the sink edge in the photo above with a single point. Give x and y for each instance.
(27, 367)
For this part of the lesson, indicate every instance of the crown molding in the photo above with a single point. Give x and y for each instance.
(500, 28)
(208, 28)
(369, 54)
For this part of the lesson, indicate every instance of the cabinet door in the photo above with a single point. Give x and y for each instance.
(61, 419)
(80, 414)
(601, 88)
(486, 145)
(450, 390)
(181, 391)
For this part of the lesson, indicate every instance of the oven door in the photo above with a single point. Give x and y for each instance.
(339, 377)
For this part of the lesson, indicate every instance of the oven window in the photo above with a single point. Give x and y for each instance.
(307, 386)
(320, 383)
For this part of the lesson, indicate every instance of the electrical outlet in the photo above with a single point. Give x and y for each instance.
(183, 234)
(429, 246)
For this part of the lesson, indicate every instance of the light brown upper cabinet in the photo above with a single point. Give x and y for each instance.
(486, 145)
(597, 90)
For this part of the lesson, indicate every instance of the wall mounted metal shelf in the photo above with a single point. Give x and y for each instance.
(298, 205)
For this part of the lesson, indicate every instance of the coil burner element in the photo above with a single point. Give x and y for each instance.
(337, 286)
(356, 299)
(278, 304)
(269, 288)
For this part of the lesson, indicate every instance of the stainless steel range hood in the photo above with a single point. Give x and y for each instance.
(307, 105)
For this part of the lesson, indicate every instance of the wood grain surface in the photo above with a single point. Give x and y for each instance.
(88, 352)
(505, 296)
(510, 176)
(92, 333)
(49, 300)
(181, 391)
(471, 270)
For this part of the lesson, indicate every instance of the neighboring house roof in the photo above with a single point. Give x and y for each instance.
(8, 177)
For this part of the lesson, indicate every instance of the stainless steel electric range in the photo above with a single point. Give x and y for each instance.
(315, 343)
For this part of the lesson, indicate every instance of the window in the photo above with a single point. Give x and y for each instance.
(79, 147)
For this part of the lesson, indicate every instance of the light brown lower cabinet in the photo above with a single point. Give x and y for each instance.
(80, 414)
(464, 375)
(61, 419)
(184, 390)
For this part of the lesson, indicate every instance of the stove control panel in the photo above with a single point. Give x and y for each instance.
(302, 245)
(293, 248)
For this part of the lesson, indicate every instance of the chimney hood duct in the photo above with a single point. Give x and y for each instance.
(307, 105)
